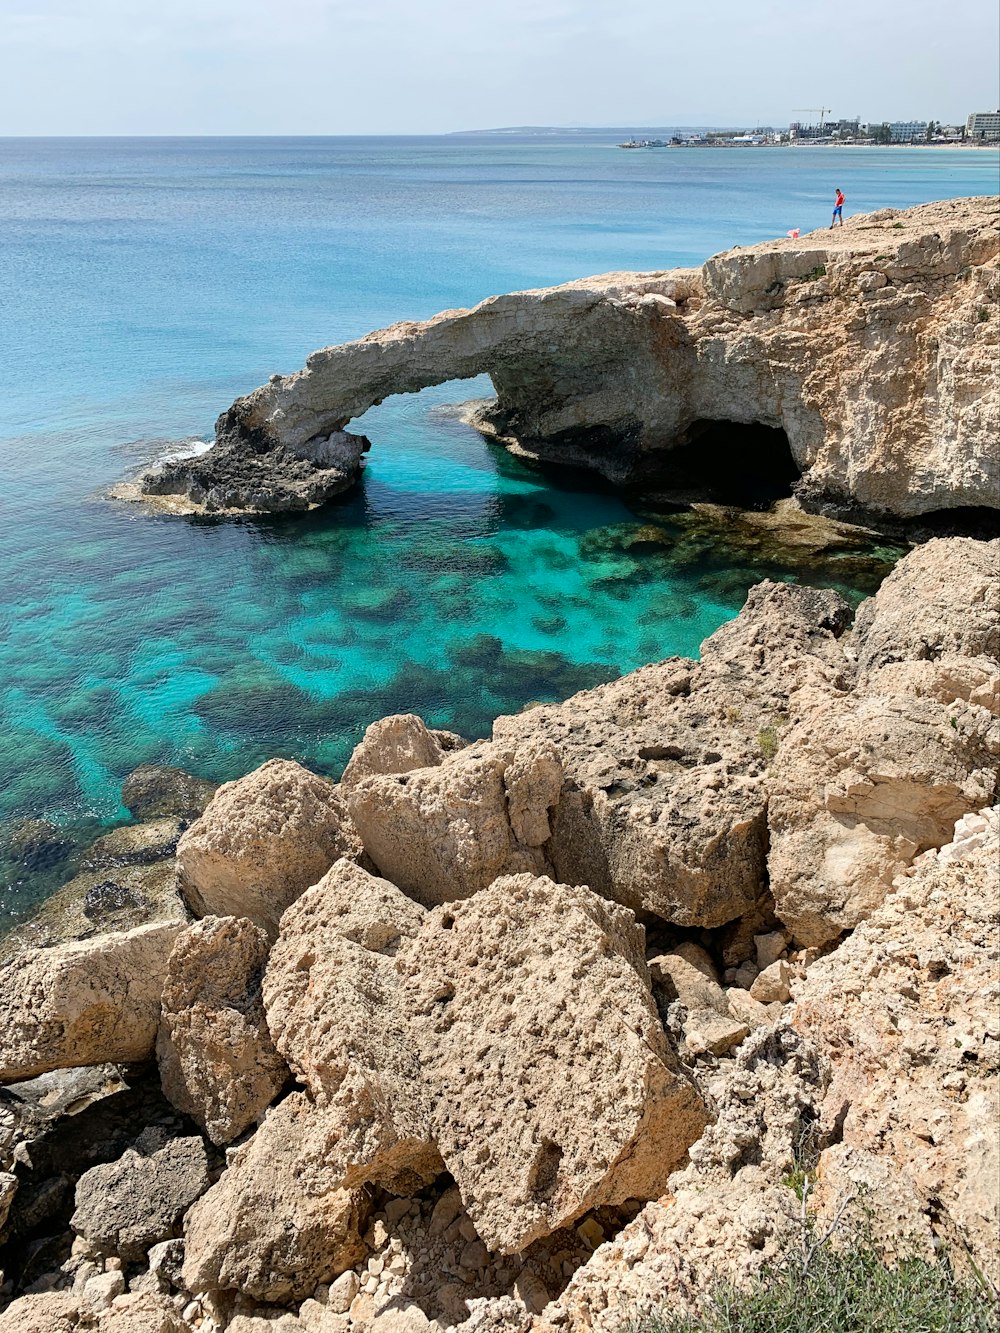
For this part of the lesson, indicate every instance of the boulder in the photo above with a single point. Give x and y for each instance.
(217, 1061)
(663, 804)
(546, 1101)
(688, 974)
(48, 1312)
(127, 1206)
(860, 786)
(133, 844)
(153, 791)
(444, 832)
(396, 744)
(941, 601)
(83, 1003)
(905, 1012)
(278, 1223)
(333, 1009)
(261, 841)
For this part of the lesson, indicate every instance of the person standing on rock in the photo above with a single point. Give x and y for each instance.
(838, 209)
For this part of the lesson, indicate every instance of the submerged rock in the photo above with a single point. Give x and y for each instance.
(153, 791)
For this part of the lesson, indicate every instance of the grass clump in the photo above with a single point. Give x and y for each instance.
(767, 742)
(842, 1290)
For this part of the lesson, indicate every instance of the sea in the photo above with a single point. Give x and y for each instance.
(145, 283)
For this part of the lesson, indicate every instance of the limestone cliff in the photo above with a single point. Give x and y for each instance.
(873, 347)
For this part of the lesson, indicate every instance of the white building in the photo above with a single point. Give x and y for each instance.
(906, 131)
(983, 125)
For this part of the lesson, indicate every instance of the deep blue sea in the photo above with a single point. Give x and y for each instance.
(146, 283)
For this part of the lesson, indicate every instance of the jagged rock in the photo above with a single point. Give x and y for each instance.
(747, 1010)
(905, 1010)
(773, 984)
(142, 1313)
(83, 1003)
(261, 841)
(50, 1312)
(126, 1206)
(333, 1009)
(357, 906)
(217, 1061)
(663, 805)
(446, 831)
(153, 791)
(832, 337)
(395, 744)
(940, 602)
(8, 1188)
(861, 785)
(545, 1100)
(232, 479)
(278, 1223)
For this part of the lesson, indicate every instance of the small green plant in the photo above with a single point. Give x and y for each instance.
(733, 715)
(897, 226)
(818, 272)
(983, 314)
(767, 741)
(954, 723)
(843, 1290)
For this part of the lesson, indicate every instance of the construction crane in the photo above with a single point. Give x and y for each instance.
(821, 111)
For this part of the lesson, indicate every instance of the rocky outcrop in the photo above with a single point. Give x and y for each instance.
(261, 841)
(154, 791)
(398, 744)
(446, 831)
(234, 479)
(873, 347)
(217, 1061)
(83, 1003)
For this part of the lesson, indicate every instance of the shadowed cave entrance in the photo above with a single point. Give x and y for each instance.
(729, 463)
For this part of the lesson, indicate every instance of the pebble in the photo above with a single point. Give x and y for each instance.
(342, 1292)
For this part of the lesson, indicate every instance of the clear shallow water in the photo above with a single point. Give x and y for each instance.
(144, 284)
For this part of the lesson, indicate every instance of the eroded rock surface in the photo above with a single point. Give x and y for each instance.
(217, 1061)
(866, 345)
(545, 1099)
(83, 1003)
(261, 841)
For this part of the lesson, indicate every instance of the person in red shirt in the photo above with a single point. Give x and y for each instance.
(838, 206)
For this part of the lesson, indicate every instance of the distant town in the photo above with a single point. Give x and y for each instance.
(981, 127)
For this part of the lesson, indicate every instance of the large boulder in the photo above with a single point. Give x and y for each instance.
(279, 1222)
(154, 791)
(217, 1061)
(664, 800)
(83, 1003)
(333, 1008)
(446, 831)
(546, 1100)
(860, 787)
(940, 601)
(261, 841)
(125, 1207)
(905, 1014)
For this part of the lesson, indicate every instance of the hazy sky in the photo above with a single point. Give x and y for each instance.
(423, 66)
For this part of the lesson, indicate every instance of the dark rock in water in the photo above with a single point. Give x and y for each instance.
(235, 477)
(124, 1207)
(105, 899)
(154, 791)
(134, 844)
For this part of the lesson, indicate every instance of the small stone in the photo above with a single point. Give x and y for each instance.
(396, 1210)
(445, 1211)
(191, 1311)
(531, 1291)
(591, 1233)
(773, 984)
(475, 1256)
(370, 1285)
(745, 1009)
(746, 975)
(707, 1031)
(102, 1289)
(343, 1291)
(114, 1263)
(769, 947)
(379, 1235)
(467, 1228)
(375, 1264)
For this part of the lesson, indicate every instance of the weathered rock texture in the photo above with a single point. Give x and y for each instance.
(217, 1061)
(873, 347)
(83, 1003)
(261, 841)
(129, 1205)
(546, 1099)
(278, 1222)
(663, 804)
(866, 780)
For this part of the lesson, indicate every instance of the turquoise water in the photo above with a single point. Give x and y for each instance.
(145, 284)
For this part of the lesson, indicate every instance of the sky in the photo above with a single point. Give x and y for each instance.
(433, 66)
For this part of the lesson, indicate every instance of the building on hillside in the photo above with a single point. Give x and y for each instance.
(983, 125)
